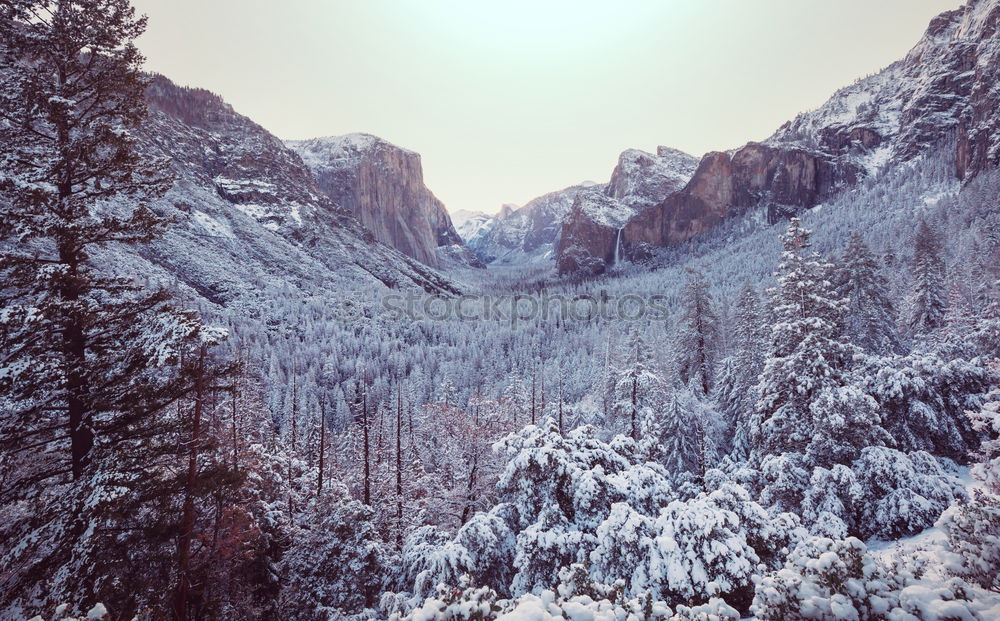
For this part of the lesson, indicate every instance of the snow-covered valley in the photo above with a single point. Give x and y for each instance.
(249, 378)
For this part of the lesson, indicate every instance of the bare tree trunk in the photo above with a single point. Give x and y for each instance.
(635, 406)
(187, 517)
(364, 423)
(470, 490)
(533, 381)
(560, 402)
(399, 467)
(295, 412)
(291, 456)
(81, 432)
(607, 379)
(541, 381)
(236, 392)
(322, 445)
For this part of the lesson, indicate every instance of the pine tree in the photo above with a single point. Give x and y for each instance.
(847, 420)
(91, 360)
(697, 334)
(635, 387)
(741, 371)
(959, 318)
(678, 432)
(339, 563)
(361, 412)
(807, 352)
(927, 300)
(870, 319)
(73, 182)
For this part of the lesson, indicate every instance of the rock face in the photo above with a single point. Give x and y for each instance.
(945, 87)
(591, 231)
(249, 217)
(383, 186)
(785, 180)
(534, 232)
(979, 125)
(642, 178)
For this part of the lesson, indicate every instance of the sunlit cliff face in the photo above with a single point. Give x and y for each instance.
(507, 100)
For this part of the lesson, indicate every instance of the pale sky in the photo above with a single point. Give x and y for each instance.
(509, 99)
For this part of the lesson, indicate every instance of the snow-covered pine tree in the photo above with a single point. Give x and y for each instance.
(846, 421)
(338, 563)
(73, 182)
(741, 371)
(959, 318)
(636, 386)
(986, 333)
(928, 298)
(697, 334)
(677, 434)
(973, 526)
(870, 321)
(807, 351)
(90, 358)
(986, 422)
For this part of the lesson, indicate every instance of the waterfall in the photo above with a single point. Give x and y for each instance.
(618, 247)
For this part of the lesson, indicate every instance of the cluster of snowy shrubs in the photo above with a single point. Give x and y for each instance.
(573, 498)
(587, 530)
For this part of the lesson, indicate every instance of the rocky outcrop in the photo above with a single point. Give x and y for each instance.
(781, 180)
(213, 146)
(642, 178)
(946, 85)
(383, 186)
(979, 125)
(591, 232)
(535, 232)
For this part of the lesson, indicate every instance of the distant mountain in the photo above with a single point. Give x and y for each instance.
(525, 234)
(642, 178)
(249, 216)
(945, 87)
(946, 84)
(469, 224)
(532, 233)
(591, 232)
(383, 186)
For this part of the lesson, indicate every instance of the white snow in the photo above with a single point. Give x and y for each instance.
(335, 152)
(212, 226)
(605, 210)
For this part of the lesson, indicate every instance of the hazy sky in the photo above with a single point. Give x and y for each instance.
(510, 99)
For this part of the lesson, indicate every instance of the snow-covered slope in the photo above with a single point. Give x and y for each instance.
(470, 224)
(249, 217)
(591, 230)
(383, 186)
(946, 86)
(946, 83)
(642, 178)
